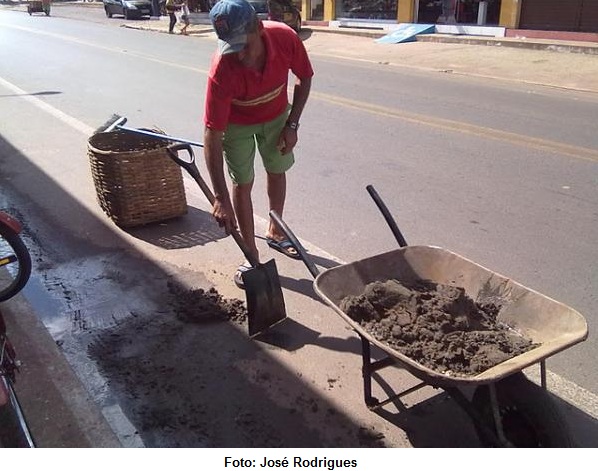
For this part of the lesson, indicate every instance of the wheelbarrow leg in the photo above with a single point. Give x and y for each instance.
(368, 368)
(543, 374)
(500, 433)
(366, 355)
(483, 427)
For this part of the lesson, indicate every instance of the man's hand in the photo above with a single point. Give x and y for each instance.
(224, 214)
(287, 140)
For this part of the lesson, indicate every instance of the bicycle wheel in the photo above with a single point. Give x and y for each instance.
(15, 263)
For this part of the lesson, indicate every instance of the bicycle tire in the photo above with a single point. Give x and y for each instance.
(15, 255)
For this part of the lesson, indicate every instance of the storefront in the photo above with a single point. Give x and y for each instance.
(367, 9)
(560, 15)
(458, 12)
(402, 11)
(557, 15)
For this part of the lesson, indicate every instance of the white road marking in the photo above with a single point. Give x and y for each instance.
(65, 118)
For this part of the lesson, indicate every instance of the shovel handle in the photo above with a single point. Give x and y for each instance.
(192, 169)
(293, 239)
(387, 216)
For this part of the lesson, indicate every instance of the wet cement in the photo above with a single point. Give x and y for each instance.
(437, 325)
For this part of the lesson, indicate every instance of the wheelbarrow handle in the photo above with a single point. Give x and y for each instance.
(293, 239)
(191, 168)
(387, 216)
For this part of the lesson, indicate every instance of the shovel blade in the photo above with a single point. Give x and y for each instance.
(265, 302)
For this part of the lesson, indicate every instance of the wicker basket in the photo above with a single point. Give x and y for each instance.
(136, 181)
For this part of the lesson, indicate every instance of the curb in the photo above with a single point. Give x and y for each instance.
(534, 44)
(163, 28)
(58, 409)
(537, 44)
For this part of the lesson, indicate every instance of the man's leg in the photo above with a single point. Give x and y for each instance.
(276, 166)
(277, 191)
(239, 152)
(244, 212)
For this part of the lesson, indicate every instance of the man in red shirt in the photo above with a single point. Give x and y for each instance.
(247, 106)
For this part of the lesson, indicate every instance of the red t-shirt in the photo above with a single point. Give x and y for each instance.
(239, 95)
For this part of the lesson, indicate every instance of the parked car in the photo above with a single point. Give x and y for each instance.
(261, 8)
(278, 10)
(128, 8)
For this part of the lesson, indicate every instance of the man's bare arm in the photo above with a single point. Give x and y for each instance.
(222, 209)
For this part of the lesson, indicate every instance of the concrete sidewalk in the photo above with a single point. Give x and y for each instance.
(200, 24)
(556, 41)
(549, 63)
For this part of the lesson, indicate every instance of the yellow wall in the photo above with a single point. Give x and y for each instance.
(329, 7)
(305, 10)
(509, 13)
(406, 13)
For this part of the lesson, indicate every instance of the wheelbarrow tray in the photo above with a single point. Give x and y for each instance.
(549, 323)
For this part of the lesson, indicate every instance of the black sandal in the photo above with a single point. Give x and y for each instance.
(284, 247)
(238, 278)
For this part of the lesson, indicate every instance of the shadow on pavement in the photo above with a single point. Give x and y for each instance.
(47, 93)
(291, 336)
(196, 228)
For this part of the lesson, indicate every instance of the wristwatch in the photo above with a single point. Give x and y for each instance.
(294, 125)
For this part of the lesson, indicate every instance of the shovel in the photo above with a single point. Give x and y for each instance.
(117, 122)
(265, 302)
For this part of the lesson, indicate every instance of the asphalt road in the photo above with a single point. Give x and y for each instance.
(499, 169)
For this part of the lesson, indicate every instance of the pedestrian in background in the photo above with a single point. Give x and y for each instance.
(171, 8)
(185, 16)
(247, 105)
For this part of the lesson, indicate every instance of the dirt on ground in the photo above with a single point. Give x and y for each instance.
(189, 376)
(437, 325)
(200, 306)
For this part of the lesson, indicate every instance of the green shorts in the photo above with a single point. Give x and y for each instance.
(239, 145)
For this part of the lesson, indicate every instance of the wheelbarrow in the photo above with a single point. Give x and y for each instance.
(506, 408)
(38, 6)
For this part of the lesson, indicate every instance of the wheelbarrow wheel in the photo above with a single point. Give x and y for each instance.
(529, 416)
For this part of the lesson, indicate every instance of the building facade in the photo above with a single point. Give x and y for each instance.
(550, 15)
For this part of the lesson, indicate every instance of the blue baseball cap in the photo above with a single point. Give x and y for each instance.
(231, 20)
